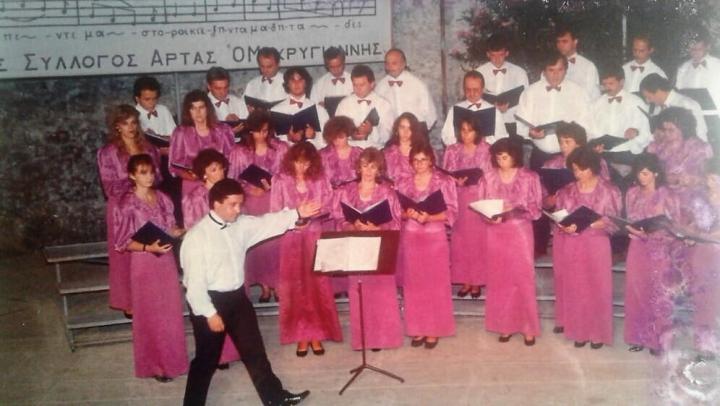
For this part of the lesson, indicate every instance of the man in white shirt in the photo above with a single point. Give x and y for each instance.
(268, 86)
(297, 83)
(405, 91)
(336, 82)
(641, 65)
(228, 107)
(551, 99)
(501, 76)
(213, 258)
(360, 103)
(153, 116)
(473, 87)
(658, 91)
(580, 69)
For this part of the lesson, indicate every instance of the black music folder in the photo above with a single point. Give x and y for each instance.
(157, 140)
(700, 95)
(482, 120)
(331, 104)
(549, 128)
(379, 213)
(260, 103)
(283, 122)
(555, 179)
(149, 233)
(372, 117)
(181, 166)
(433, 204)
(648, 225)
(512, 96)
(254, 175)
(607, 141)
(473, 175)
(582, 217)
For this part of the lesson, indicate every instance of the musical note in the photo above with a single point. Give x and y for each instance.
(44, 6)
(65, 7)
(194, 13)
(215, 9)
(154, 14)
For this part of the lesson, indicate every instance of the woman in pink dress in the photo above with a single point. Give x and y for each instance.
(124, 141)
(584, 259)
(651, 277)
(158, 328)
(307, 308)
(209, 165)
(383, 328)
(467, 242)
(261, 148)
(511, 305)
(425, 252)
(199, 129)
(339, 158)
(406, 133)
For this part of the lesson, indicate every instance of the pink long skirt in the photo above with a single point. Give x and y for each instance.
(467, 244)
(118, 266)
(705, 291)
(262, 261)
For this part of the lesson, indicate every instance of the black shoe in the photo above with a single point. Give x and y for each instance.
(376, 349)
(223, 366)
(558, 330)
(162, 379)
(504, 339)
(580, 344)
(417, 342)
(264, 299)
(127, 315)
(321, 351)
(655, 353)
(293, 398)
(430, 345)
(301, 353)
(475, 293)
(636, 348)
(596, 346)
(530, 342)
(463, 292)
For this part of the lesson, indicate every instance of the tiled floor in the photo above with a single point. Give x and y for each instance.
(469, 369)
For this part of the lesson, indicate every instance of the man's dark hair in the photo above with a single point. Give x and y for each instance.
(217, 73)
(146, 83)
(363, 70)
(612, 72)
(654, 82)
(269, 52)
(333, 53)
(224, 188)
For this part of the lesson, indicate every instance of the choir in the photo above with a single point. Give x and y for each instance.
(375, 148)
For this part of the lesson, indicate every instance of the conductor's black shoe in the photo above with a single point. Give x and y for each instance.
(223, 366)
(293, 398)
(596, 346)
(580, 344)
(162, 379)
(558, 330)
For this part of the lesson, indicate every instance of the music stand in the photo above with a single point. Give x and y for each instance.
(386, 265)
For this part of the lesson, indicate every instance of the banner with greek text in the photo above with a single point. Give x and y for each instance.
(82, 37)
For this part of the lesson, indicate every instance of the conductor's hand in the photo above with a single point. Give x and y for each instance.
(216, 324)
(308, 209)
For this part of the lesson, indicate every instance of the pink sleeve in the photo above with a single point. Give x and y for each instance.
(326, 196)
(114, 180)
(277, 199)
(336, 211)
(228, 139)
(449, 192)
(396, 211)
(155, 154)
(604, 170)
(194, 206)
(177, 153)
(238, 161)
(612, 206)
(124, 225)
(534, 196)
(168, 210)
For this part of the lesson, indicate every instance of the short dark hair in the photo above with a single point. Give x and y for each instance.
(422, 148)
(268, 52)
(508, 146)
(224, 188)
(196, 96)
(336, 126)
(585, 158)
(362, 70)
(614, 71)
(682, 118)
(333, 53)
(572, 130)
(479, 136)
(654, 82)
(205, 158)
(254, 123)
(498, 42)
(565, 29)
(139, 160)
(473, 74)
(146, 83)
(299, 70)
(552, 57)
(643, 37)
(651, 163)
(217, 73)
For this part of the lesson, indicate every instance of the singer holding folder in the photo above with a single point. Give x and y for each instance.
(158, 329)
(424, 251)
(582, 260)
(339, 157)
(407, 132)
(307, 307)
(383, 327)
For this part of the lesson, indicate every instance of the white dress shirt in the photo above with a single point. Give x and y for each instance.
(636, 72)
(212, 254)
(502, 81)
(264, 90)
(448, 130)
(676, 99)
(613, 115)
(357, 110)
(286, 107)
(325, 87)
(703, 76)
(584, 73)
(233, 105)
(408, 93)
(540, 106)
(162, 124)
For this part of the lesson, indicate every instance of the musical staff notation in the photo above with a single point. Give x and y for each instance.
(74, 13)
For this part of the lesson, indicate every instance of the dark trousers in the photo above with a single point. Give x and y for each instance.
(240, 322)
(541, 226)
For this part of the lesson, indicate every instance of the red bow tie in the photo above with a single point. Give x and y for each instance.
(335, 80)
(571, 60)
(220, 102)
(364, 101)
(152, 113)
(477, 105)
(264, 79)
(496, 71)
(549, 88)
(299, 104)
(395, 82)
(699, 64)
(636, 67)
(616, 98)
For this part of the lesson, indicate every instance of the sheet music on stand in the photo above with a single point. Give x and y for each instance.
(356, 252)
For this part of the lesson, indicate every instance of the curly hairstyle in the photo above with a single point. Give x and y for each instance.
(205, 158)
(303, 151)
(336, 127)
(419, 134)
(119, 114)
(197, 96)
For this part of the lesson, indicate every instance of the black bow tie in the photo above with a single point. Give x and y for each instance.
(395, 82)
(636, 67)
(496, 71)
(550, 88)
(616, 98)
(336, 80)
(477, 105)
(364, 101)
(152, 113)
(699, 64)
(220, 102)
